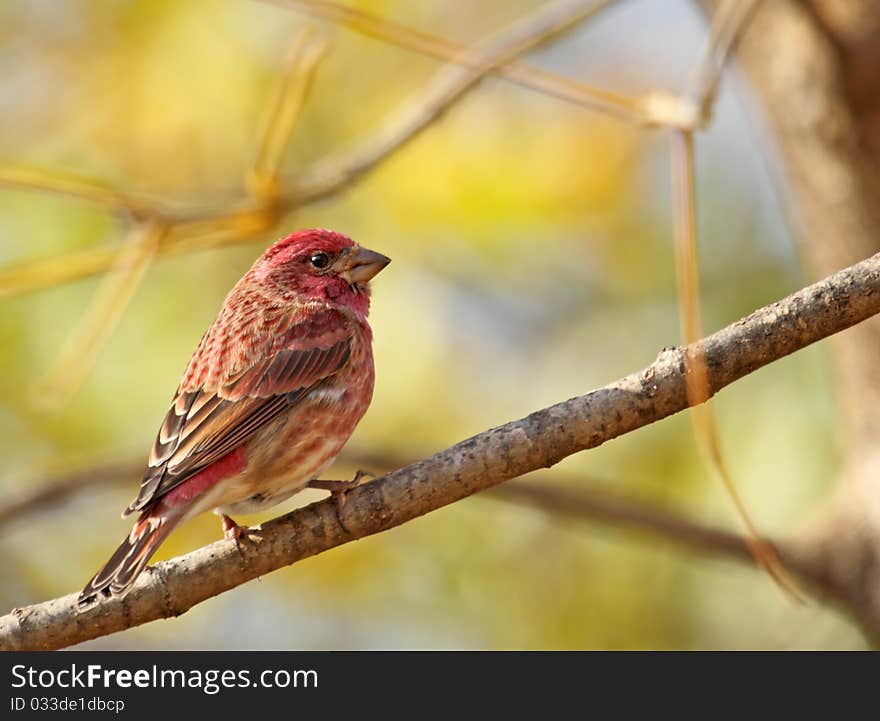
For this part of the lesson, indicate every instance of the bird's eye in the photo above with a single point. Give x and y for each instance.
(319, 260)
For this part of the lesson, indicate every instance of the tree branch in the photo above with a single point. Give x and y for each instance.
(583, 504)
(539, 440)
(34, 497)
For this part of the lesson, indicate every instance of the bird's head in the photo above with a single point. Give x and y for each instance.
(320, 265)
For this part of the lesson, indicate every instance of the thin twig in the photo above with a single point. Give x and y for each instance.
(34, 497)
(216, 225)
(693, 110)
(725, 30)
(450, 85)
(284, 111)
(539, 440)
(588, 504)
(88, 337)
(72, 186)
(46, 491)
(696, 371)
(30, 275)
(433, 46)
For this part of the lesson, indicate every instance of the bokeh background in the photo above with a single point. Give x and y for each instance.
(533, 261)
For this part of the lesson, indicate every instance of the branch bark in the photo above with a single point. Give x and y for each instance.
(539, 440)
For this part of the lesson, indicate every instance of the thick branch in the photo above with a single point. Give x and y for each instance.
(539, 440)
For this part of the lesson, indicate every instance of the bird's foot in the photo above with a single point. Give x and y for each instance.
(232, 531)
(338, 489)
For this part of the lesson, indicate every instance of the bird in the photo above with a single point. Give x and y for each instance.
(271, 394)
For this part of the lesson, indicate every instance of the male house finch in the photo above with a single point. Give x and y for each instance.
(273, 391)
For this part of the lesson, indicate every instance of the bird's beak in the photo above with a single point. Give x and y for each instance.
(359, 265)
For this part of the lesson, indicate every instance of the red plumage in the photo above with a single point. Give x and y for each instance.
(271, 394)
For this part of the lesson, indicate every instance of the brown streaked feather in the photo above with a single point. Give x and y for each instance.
(123, 568)
(223, 401)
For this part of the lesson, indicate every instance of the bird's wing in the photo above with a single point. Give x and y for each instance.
(224, 399)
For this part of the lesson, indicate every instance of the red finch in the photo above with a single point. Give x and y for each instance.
(273, 391)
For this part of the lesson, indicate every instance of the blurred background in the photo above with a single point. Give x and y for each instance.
(533, 261)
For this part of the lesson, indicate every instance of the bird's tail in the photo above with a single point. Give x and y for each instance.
(119, 573)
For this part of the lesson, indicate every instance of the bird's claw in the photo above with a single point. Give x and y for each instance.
(339, 489)
(232, 531)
